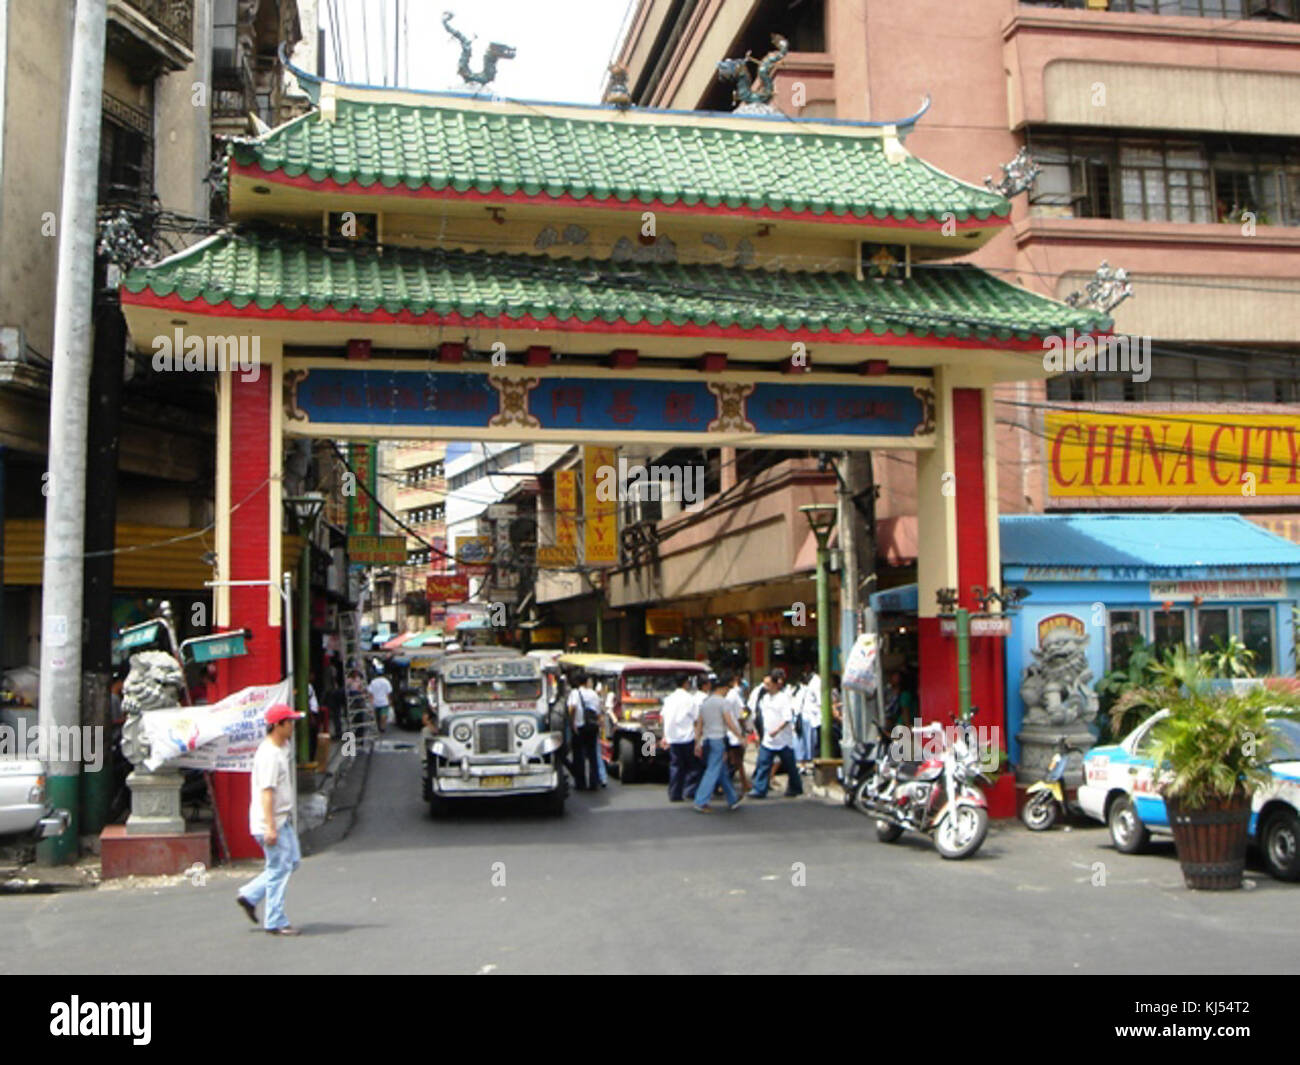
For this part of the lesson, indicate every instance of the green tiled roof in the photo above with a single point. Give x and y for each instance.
(695, 161)
(276, 269)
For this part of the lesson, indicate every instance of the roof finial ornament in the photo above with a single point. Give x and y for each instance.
(748, 100)
(1105, 291)
(617, 91)
(495, 52)
(1017, 175)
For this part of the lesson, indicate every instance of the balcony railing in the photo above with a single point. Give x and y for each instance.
(175, 17)
(152, 36)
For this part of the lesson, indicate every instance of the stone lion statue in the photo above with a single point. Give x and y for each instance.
(1055, 687)
(155, 682)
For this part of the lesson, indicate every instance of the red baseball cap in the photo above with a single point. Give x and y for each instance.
(279, 712)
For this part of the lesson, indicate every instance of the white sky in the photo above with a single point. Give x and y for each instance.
(563, 46)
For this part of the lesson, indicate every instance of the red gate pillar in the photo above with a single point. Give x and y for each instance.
(248, 548)
(957, 512)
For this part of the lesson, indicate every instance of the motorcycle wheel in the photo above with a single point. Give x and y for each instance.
(858, 801)
(887, 831)
(1039, 813)
(962, 832)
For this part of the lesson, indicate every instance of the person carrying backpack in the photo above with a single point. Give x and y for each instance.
(584, 708)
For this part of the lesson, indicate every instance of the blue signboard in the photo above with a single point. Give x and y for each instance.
(615, 406)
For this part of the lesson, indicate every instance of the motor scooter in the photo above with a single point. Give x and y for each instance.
(1047, 799)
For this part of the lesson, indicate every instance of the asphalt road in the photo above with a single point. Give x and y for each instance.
(624, 882)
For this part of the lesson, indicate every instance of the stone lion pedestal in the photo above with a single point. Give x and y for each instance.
(154, 841)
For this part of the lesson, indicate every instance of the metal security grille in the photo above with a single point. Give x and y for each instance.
(492, 737)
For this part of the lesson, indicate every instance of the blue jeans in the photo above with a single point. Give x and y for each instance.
(715, 755)
(763, 771)
(282, 858)
(601, 771)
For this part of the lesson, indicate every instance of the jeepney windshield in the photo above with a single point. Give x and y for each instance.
(492, 680)
(654, 685)
(492, 690)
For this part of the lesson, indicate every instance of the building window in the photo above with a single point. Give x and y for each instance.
(125, 153)
(1257, 635)
(1166, 180)
(1169, 629)
(1211, 375)
(1125, 632)
(1212, 627)
(225, 36)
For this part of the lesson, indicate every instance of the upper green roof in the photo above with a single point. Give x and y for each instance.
(283, 270)
(669, 158)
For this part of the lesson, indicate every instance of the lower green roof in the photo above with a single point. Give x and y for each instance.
(279, 270)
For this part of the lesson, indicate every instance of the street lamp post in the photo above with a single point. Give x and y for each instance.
(821, 518)
(306, 511)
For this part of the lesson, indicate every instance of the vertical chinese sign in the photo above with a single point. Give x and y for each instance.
(600, 534)
(363, 511)
(566, 508)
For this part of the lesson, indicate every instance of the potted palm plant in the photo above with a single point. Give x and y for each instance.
(1211, 754)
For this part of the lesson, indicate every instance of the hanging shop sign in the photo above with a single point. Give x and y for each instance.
(377, 550)
(600, 515)
(447, 588)
(546, 634)
(566, 508)
(1189, 591)
(363, 508)
(663, 622)
(1060, 621)
(473, 555)
(1216, 455)
(556, 556)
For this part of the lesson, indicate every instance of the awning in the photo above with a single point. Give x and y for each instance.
(900, 600)
(394, 644)
(424, 639)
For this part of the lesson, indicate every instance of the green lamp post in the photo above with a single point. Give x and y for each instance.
(305, 510)
(821, 518)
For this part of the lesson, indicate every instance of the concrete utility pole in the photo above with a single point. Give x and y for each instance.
(61, 602)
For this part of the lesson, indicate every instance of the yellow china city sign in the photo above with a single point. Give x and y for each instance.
(1172, 453)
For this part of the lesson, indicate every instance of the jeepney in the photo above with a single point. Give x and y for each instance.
(494, 731)
(630, 738)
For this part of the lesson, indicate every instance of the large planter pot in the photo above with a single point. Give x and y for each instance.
(1211, 841)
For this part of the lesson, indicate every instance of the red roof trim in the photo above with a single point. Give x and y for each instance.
(354, 188)
(147, 298)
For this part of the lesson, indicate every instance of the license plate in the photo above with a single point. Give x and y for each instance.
(494, 782)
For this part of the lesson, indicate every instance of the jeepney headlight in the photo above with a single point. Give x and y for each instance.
(524, 729)
(462, 732)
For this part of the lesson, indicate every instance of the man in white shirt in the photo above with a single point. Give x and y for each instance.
(811, 709)
(735, 744)
(270, 822)
(381, 694)
(680, 710)
(778, 720)
(585, 712)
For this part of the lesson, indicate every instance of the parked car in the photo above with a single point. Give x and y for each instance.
(1119, 790)
(25, 815)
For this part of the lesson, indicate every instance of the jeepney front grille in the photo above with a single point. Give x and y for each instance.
(492, 737)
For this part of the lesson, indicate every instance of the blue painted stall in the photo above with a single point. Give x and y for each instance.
(1166, 577)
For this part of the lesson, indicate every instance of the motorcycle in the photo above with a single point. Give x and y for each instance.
(937, 797)
(862, 763)
(1047, 799)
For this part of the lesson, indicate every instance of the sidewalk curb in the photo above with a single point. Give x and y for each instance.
(342, 790)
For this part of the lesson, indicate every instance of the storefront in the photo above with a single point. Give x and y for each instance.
(1100, 583)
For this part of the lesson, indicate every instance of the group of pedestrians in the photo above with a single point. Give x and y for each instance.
(705, 735)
